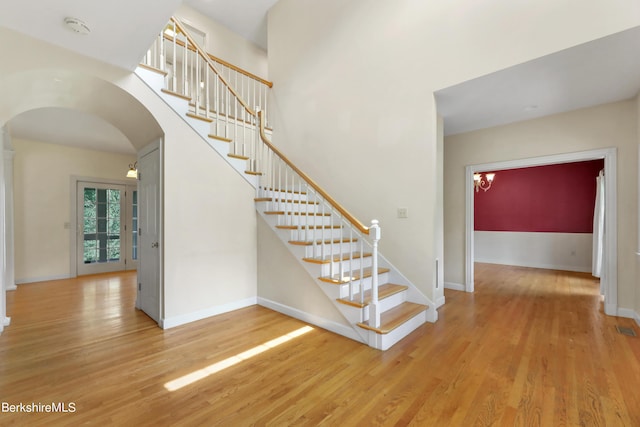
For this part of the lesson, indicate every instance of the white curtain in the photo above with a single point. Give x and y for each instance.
(598, 227)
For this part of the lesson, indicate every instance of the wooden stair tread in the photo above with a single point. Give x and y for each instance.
(306, 243)
(270, 199)
(335, 279)
(391, 319)
(296, 213)
(285, 191)
(336, 258)
(199, 117)
(310, 227)
(238, 156)
(219, 138)
(179, 95)
(384, 291)
(154, 69)
(253, 173)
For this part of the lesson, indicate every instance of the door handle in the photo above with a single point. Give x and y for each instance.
(154, 245)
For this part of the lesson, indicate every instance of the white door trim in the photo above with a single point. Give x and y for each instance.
(609, 277)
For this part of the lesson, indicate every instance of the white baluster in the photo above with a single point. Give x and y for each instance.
(374, 308)
(174, 86)
(361, 269)
(196, 87)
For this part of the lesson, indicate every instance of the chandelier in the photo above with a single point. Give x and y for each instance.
(483, 182)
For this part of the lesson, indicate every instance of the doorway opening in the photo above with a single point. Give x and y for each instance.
(609, 268)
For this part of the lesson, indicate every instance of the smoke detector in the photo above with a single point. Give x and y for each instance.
(77, 26)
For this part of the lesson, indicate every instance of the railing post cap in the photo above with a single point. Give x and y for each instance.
(374, 222)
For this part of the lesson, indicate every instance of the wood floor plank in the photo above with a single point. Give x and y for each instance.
(529, 347)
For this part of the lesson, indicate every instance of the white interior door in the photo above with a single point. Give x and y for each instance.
(148, 248)
(101, 228)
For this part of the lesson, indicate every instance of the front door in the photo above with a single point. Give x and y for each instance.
(101, 228)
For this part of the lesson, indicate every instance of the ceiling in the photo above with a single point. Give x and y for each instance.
(601, 71)
(598, 72)
(245, 17)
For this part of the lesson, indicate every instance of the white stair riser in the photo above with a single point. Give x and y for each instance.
(388, 303)
(293, 207)
(304, 220)
(366, 282)
(315, 234)
(286, 195)
(385, 341)
(317, 250)
(347, 265)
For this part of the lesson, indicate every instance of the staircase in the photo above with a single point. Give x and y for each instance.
(337, 250)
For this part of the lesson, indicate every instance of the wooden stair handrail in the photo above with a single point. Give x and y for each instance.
(206, 57)
(345, 213)
(223, 62)
(352, 219)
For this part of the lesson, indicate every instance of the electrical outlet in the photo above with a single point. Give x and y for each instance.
(403, 212)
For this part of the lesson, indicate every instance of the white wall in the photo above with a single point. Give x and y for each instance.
(610, 125)
(225, 44)
(210, 244)
(352, 97)
(42, 177)
(555, 251)
(281, 279)
(637, 279)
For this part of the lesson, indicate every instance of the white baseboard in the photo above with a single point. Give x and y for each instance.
(329, 325)
(629, 314)
(43, 279)
(182, 319)
(6, 321)
(454, 286)
(12, 287)
(544, 266)
(440, 302)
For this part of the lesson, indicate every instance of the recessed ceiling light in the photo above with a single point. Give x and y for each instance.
(77, 26)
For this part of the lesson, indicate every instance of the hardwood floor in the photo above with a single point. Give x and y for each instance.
(529, 347)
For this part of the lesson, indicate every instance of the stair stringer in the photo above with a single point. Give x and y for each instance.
(155, 81)
(332, 292)
(353, 315)
(413, 293)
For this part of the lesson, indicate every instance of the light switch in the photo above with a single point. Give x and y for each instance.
(403, 212)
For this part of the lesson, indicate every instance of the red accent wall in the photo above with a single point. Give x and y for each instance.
(554, 198)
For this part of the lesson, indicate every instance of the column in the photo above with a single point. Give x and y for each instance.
(10, 272)
(4, 320)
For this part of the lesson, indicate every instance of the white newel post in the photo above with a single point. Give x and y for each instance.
(374, 309)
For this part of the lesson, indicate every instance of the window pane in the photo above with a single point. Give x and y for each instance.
(113, 249)
(102, 226)
(90, 251)
(102, 210)
(89, 225)
(102, 196)
(113, 226)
